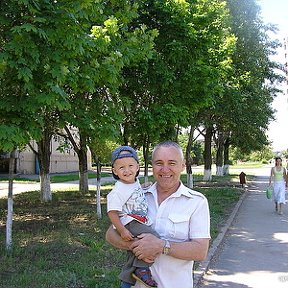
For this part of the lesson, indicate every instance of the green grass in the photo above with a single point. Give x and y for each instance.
(247, 165)
(57, 178)
(74, 177)
(62, 243)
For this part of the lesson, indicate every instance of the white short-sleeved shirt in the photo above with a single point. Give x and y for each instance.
(128, 199)
(181, 217)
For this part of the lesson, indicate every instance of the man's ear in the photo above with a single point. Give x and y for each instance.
(183, 165)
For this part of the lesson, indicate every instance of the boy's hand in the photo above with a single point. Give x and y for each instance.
(146, 185)
(126, 235)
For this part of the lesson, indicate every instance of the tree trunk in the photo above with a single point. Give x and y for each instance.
(98, 183)
(80, 147)
(83, 172)
(207, 154)
(9, 221)
(146, 160)
(46, 194)
(83, 165)
(226, 156)
(189, 158)
(98, 191)
(44, 155)
(219, 154)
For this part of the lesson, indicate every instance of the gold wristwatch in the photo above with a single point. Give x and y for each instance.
(166, 248)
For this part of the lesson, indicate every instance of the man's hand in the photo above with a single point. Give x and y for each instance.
(147, 247)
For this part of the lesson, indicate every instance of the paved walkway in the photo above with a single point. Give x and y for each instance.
(254, 252)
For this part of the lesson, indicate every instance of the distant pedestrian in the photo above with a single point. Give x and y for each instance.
(279, 177)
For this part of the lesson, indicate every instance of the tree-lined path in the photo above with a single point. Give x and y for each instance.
(255, 250)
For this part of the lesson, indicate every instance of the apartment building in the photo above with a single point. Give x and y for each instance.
(61, 162)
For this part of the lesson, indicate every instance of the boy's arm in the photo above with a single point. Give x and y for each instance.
(115, 219)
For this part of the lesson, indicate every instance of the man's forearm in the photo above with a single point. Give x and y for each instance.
(195, 250)
(150, 246)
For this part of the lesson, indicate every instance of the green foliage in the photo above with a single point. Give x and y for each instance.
(255, 76)
(60, 51)
(130, 72)
(196, 150)
(265, 154)
(183, 73)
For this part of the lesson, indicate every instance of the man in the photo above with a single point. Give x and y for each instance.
(181, 218)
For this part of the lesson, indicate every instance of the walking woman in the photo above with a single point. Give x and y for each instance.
(278, 175)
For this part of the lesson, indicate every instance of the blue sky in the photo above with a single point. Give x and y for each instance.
(276, 12)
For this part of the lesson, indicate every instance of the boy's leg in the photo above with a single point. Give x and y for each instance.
(142, 271)
(137, 228)
(128, 269)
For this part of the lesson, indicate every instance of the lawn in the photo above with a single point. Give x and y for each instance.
(55, 178)
(61, 244)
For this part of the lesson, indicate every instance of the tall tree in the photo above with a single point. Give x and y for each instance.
(180, 78)
(248, 89)
(254, 77)
(52, 51)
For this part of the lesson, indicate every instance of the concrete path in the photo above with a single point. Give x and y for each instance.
(254, 252)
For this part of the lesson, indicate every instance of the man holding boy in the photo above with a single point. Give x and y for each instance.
(181, 218)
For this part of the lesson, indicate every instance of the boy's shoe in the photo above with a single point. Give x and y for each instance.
(125, 285)
(144, 276)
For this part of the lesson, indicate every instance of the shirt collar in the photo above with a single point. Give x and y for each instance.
(182, 190)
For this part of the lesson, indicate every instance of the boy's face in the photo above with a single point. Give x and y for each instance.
(126, 169)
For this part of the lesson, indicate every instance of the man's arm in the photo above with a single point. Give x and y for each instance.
(150, 245)
(115, 240)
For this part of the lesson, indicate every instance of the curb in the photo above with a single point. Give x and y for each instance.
(204, 265)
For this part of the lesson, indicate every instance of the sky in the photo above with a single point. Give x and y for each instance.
(275, 11)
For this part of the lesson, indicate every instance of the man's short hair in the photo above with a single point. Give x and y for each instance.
(168, 143)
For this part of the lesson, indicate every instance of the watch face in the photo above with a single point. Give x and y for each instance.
(166, 248)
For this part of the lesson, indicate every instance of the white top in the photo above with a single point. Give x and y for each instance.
(181, 217)
(127, 199)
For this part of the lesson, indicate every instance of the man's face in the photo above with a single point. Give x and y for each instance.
(126, 169)
(167, 166)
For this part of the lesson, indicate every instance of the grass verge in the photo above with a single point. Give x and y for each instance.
(57, 178)
(61, 244)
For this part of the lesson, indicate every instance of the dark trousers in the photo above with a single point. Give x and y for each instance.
(136, 228)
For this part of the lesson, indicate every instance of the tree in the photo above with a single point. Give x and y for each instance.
(248, 89)
(9, 221)
(52, 54)
(94, 104)
(254, 77)
(183, 74)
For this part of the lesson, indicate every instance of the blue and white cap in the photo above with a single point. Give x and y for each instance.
(129, 152)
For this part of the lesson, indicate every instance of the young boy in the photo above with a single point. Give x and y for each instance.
(127, 210)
